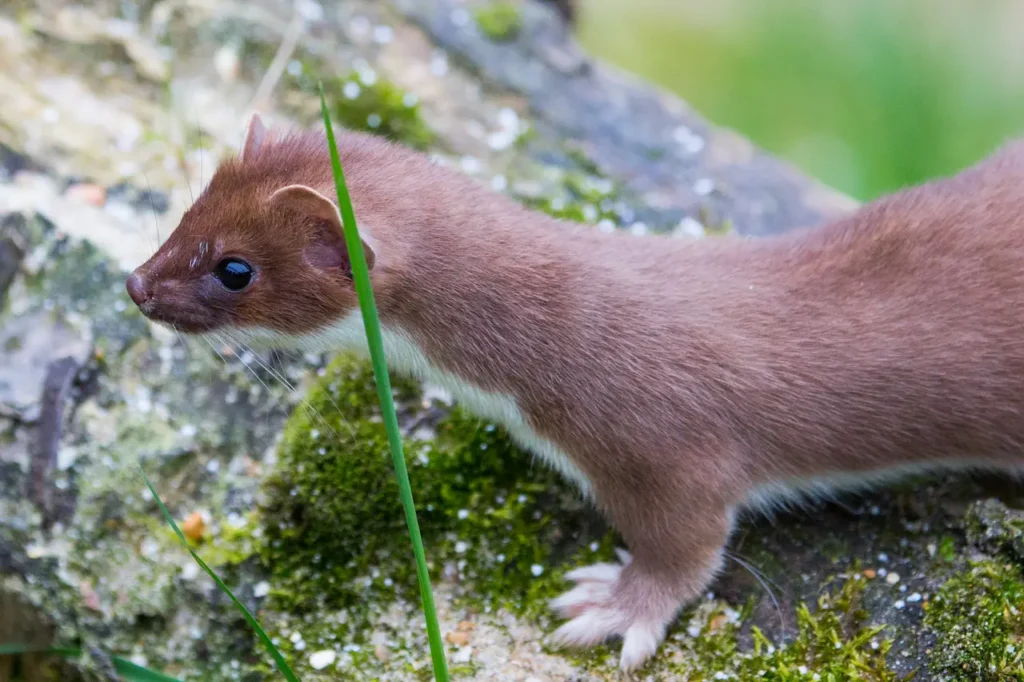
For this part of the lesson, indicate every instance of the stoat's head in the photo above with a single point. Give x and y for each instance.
(262, 252)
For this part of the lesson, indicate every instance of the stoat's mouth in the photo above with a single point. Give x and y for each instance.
(184, 321)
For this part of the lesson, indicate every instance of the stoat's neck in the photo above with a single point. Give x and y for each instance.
(486, 285)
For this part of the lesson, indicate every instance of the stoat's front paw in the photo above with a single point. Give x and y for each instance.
(609, 601)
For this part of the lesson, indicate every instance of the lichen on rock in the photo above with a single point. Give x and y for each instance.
(994, 527)
(978, 617)
(499, 19)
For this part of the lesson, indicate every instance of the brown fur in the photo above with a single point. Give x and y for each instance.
(677, 374)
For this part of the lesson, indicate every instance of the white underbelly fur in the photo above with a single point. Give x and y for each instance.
(776, 495)
(405, 357)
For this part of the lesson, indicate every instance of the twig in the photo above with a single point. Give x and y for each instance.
(280, 60)
(56, 386)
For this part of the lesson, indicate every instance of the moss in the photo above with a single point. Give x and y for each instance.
(947, 550)
(332, 503)
(499, 20)
(978, 617)
(581, 197)
(382, 108)
(361, 100)
(333, 525)
(713, 226)
(364, 101)
(832, 643)
(569, 185)
(719, 229)
(227, 547)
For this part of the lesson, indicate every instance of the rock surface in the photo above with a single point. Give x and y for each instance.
(113, 115)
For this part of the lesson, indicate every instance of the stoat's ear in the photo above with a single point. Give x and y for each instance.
(326, 248)
(254, 134)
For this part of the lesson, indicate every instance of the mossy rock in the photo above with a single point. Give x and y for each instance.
(994, 527)
(334, 528)
(833, 642)
(978, 617)
(362, 100)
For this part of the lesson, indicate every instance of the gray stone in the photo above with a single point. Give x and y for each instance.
(30, 343)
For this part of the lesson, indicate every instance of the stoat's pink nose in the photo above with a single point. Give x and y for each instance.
(138, 288)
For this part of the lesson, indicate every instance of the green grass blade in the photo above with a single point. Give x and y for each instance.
(282, 665)
(131, 672)
(361, 275)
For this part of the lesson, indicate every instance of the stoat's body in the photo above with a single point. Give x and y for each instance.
(672, 380)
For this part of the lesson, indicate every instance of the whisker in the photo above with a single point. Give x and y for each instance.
(765, 582)
(277, 401)
(181, 337)
(152, 206)
(183, 164)
(270, 393)
(214, 349)
(330, 396)
(199, 132)
(296, 394)
(280, 377)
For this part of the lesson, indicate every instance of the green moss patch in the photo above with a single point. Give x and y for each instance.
(333, 528)
(499, 20)
(581, 197)
(978, 617)
(364, 101)
(832, 642)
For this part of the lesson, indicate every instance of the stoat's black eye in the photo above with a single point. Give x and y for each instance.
(233, 273)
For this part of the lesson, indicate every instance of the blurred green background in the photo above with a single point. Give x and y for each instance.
(867, 95)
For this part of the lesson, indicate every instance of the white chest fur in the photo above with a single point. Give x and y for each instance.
(404, 356)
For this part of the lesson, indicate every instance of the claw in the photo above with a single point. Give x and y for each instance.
(591, 627)
(639, 644)
(570, 604)
(605, 573)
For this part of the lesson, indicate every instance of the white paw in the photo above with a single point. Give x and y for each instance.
(595, 615)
